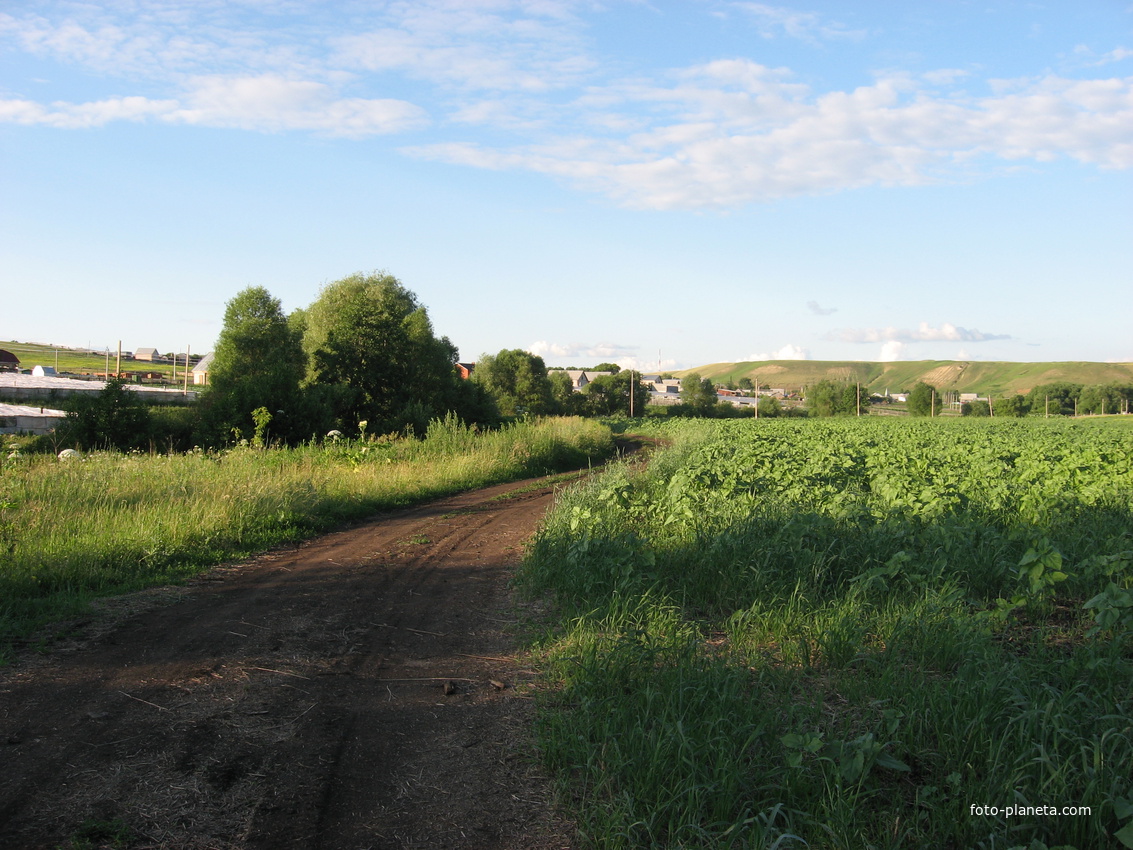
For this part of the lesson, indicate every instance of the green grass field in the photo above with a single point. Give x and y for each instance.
(74, 530)
(862, 633)
(82, 361)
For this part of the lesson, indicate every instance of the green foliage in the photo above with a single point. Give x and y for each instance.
(1012, 406)
(978, 408)
(831, 398)
(517, 381)
(1112, 398)
(613, 368)
(1057, 399)
(609, 395)
(923, 400)
(373, 355)
(698, 394)
(111, 522)
(768, 407)
(258, 363)
(881, 621)
(567, 402)
(112, 418)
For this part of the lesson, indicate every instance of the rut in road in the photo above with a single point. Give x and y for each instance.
(360, 690)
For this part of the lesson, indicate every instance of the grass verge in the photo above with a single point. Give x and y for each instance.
(111, 523)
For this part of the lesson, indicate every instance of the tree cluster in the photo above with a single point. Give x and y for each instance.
(520, 384)
(834, 398)
(362, 357)
(1057, 399)
(1066, 399)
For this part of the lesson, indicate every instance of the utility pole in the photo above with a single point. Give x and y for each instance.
(631, 393)
(118, 362)
(186, 391)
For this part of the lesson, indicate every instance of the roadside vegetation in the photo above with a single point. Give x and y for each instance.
(846, 633)
(110, 522)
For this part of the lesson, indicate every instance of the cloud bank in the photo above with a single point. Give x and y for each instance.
(787, 352)
(520, 86)
(924, 333)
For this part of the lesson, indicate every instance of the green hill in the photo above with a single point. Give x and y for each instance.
(82, 361)
(983, 377)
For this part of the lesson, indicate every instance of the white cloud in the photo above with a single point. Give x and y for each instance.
(892, 351)
(82, 115)
(729, 133)
(267, 103)
(1118, 54)
(805, 26)
(787, 352)
(818, 310)
(716, 135)
(501, 45)
(271, 103)
(610, 351)
(924, 332)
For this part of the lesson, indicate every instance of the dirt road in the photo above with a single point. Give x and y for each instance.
(358, 691)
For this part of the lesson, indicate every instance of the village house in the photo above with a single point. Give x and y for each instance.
(201, 370)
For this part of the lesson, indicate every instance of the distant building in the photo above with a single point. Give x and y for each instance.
(579, 378)
(25, 419)
(464, 369)
(201, 370)
(43, 371)
(8, 361)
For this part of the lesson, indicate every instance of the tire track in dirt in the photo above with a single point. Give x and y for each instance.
(345, 693)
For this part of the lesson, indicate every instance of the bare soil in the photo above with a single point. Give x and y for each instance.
(362, 690)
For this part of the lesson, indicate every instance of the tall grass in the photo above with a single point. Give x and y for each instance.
(845, 635)
(70, 530)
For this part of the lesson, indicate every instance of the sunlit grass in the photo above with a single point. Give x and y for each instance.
(112, 522)
(845, 635)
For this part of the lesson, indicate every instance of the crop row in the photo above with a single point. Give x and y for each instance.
(847, 633)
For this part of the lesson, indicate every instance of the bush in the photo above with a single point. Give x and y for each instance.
(113, 418)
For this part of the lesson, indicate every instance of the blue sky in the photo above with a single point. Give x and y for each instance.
(651, 183)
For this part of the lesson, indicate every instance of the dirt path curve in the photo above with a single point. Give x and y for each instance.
(358, 691)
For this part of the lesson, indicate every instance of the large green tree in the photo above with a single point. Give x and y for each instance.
(567, 401)
(698, 395)
(609, 395)
(923, 400)
(373, 356)
(831, 398)
(1013, 406)
(518, 382)
(257, 366)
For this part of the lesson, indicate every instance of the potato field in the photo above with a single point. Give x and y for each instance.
(847, 634)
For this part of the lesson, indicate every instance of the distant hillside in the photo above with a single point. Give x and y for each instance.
(983, 377)
(80, 361)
